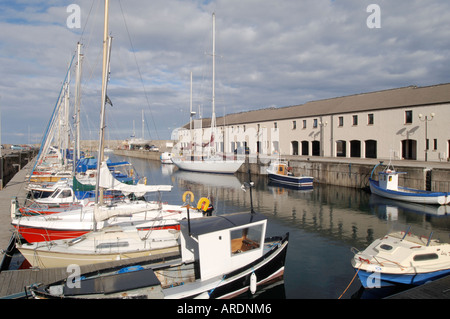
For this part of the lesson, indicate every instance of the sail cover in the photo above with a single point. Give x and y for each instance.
(108, 181)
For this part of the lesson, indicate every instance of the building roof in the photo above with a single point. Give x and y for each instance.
(410, 96)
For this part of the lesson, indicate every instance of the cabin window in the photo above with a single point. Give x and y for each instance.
(425, 257)
(386, 247)
(66, 193)
(113, 245)
(245, 239)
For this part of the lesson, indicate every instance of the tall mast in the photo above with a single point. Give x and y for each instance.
(106, 52)
(213, 118)
(190, 108)
(76, 154)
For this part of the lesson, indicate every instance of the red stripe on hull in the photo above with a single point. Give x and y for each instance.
(33, 235)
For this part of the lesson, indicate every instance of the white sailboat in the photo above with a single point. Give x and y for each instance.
(210, 162)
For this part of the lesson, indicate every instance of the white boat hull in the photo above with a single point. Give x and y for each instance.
(410, 195)
(209, 166)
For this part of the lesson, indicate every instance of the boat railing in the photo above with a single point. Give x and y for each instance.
(371, 259)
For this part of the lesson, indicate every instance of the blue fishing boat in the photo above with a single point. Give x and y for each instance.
(387, 186)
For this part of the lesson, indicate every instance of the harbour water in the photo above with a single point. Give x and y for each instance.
(324, 225)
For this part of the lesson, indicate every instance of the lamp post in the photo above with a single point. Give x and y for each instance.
(322, 125)
(426, 119)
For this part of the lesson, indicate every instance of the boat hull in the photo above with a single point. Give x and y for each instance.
(304, 182)
(53, 259)
(410, 195)
(212, 166)
(380, 280)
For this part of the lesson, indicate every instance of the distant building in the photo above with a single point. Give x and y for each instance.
(405, 123)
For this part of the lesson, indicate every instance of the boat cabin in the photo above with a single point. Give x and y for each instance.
(61, 195)
(223, 243)
(388, 179)
(281, 168)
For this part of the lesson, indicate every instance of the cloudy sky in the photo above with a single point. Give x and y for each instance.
(269, 54)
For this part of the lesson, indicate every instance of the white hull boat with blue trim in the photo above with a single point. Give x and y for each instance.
(387, 186)
(402, 258)
(280, 173)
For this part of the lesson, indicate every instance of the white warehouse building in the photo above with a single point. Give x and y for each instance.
(405, 123)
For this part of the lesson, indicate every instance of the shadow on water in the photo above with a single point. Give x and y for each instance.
(324, 224)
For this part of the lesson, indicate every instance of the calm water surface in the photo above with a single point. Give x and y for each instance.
(323, 224)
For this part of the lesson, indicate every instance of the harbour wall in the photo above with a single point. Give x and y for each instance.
(13, 161)
(348, 172)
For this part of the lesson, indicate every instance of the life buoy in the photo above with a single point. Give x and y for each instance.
(191, 196)
(203, 204)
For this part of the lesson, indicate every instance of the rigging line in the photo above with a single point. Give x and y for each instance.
(137, 65)
(52, 118)
(85, 24)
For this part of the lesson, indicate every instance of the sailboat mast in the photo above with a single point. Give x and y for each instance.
(106, 50)
(213, 118)
(76, 154)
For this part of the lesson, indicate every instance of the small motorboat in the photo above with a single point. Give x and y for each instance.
(402, 258)
(280, 173)
(387, 186)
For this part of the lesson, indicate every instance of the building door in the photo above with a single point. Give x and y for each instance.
(305, 148)
(355, 148)
(316, 148)
(371, 149)
(341, 150)
(294, 147)
(409, 149)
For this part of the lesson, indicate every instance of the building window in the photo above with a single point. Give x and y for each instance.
(435, 144)
(294, 125)
(275, 125)
(341, 121)
(315, 123)
(408, 117)
(370, 119)
(304, 123)
(355, 119)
